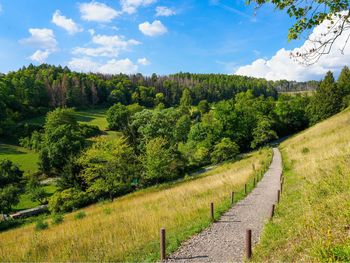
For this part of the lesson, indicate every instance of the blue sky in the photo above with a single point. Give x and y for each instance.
(161, 36)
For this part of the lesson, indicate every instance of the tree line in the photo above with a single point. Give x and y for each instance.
(35, 90)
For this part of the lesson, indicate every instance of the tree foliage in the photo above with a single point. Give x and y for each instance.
(10, 185)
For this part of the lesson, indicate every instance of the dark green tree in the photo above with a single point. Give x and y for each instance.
(10, 185)
(327, 100)
(62, 138)
(224, 150)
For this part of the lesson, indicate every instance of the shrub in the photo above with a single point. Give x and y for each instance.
(41, 225)
(305, 150)
(68, 200)
(57, 219)
(80, 215)
(107, 211)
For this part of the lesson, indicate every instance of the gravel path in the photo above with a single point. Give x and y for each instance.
(224, 240)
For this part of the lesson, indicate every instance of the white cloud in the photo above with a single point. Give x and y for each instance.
(155, 28)
(107, 46)
(98, 12)
(83, 65)
(112, 66)
(42, 38)
(119, 66)
(66, 23)
(164, 11)
(143, 61)
(92, 32)
(282, 66)
(131, 6)
(40, 56)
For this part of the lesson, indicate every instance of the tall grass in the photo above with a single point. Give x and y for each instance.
(130, 229)
(312, 222)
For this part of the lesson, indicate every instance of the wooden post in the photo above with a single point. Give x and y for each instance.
(254, 182)
(162, 245)
(232, 198)
(281, 186)
(248, 244)
(245, 189)
(212, 211)
(278, 196)
(272, 212)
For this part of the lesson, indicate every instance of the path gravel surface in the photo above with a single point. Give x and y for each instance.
(224, 240)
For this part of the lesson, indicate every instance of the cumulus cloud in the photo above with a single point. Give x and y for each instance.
(155, 28)
(282, 66)
(131, 6)
(66, 23)
(107, 46)
(42, 38)
(164, 11)
(40, 56)
(97, 12)
(112, 66)
(143, 61)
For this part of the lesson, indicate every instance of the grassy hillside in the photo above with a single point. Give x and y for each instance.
(128, 228)
(313, 219)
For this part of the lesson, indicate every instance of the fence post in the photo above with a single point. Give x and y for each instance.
(212, 211)
(162, 245)
(281, 186)
(248, 244)
(245, 189)
(254, 182)
(232, 198)
(278, 196)
(272, 211)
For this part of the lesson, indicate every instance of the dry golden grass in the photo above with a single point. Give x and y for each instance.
(128, 228)
(313, 218)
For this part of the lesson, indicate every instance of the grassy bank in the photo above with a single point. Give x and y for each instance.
(128, 228)
(312, 222)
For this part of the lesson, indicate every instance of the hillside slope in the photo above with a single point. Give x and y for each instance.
(312, 222)
(128, 228)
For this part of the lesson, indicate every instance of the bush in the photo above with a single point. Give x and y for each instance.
(80, 215)
(68, 200)
(41, 225)
(57, 219)
(305, 150)
(89, 130)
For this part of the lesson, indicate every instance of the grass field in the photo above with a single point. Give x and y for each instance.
(26, 203)
(27, 160)
(312, 223)
(128, 228)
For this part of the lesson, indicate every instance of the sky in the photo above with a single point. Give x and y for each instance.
(155, 36)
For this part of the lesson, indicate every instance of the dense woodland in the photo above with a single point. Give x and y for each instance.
(33, 91)
(169, 125)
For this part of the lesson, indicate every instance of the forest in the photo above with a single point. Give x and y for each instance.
(169, 126)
